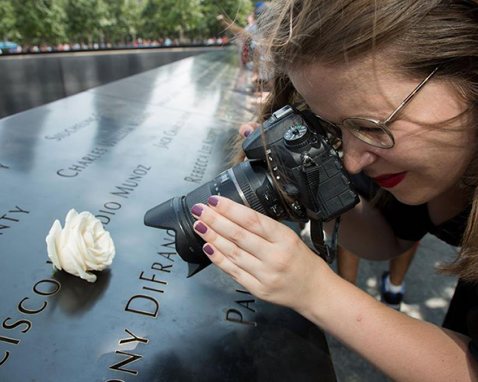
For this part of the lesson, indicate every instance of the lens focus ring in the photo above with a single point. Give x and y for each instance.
(240, 174)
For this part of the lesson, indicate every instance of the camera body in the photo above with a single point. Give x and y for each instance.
(304, 165)
(292, 172)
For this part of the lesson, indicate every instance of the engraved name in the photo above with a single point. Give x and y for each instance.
(241, 314)
(127, 357)
(85, 161)
(168, 135)
(65, 133)
(11, 217)
(202, 158)
(76, 168)
(146, 304)
(122, 191)
(28, 307)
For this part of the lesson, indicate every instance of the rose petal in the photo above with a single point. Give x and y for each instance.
(81, 246)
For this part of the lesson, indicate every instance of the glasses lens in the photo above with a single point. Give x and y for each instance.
(369, 132)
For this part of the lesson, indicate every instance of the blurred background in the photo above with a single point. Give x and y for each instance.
(31, 26)
(51, 49)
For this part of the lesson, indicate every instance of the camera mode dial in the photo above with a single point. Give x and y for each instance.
(296, 135)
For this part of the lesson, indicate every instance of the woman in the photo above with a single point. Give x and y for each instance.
(397, 81)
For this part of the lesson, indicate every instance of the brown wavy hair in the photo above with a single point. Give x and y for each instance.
(418, 35)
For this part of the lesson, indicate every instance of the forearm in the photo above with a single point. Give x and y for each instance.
(402, 347)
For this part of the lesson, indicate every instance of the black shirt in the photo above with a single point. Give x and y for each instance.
(412, 223)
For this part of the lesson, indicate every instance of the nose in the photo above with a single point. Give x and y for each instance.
(357, 155)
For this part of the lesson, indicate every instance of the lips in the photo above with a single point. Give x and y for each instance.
(390, 180)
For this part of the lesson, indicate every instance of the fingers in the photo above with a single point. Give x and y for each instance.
(238, 222)
(247, 128)
(229, 237)
(239, 264)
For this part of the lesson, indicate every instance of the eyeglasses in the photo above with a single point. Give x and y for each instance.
(369, 130)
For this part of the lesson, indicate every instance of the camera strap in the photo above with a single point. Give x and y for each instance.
(326, 251)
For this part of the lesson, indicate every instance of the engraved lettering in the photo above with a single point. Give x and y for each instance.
(22, 309)
(128, 186)
(193, 180)
(67, 173)
(27, 324)
(8, 217)
(9, 340)
(133, 338)
(153, 279)
(103, 219)
(146, 305)
(5, 357)
(132, 358)
(72, 129)
(202, 159)
(162, 268)
(233, 315)
(20, 210)
(56, 287)
(245, 304)
(76, 168)
(112, 205)
(124, 191)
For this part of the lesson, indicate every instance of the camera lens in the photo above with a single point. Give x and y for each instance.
(247, 183)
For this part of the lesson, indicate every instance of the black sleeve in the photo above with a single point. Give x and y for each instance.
(462, 315)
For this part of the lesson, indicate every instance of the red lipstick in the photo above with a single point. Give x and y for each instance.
(390, 180)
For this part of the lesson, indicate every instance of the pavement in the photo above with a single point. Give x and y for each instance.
(427, 296)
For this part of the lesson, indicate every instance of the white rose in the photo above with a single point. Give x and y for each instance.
(82, 246)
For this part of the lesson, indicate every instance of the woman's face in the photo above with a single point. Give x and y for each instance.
(426, 162)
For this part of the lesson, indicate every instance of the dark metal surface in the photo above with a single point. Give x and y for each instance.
(32, 80)
(143, 320)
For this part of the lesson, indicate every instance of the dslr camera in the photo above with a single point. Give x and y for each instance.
(291, 172)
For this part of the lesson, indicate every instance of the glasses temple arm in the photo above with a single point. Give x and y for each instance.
(410, 96)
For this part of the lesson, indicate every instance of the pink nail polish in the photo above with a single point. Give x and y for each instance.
(212, 200)
(201, 228)
(208, 249)
(196, 210)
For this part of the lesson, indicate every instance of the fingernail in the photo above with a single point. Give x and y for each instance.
(196, 210)
(201, 228)
(212, 200)
(208, 249)
(247, 132)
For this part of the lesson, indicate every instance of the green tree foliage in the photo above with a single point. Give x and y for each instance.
(40, 21)
(236, 10)
(172, 18)
(85, 19)
(124, 20)
(35, 22)
(8, 29)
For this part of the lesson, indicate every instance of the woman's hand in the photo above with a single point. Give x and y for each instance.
(247, 128)
(263, 255)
